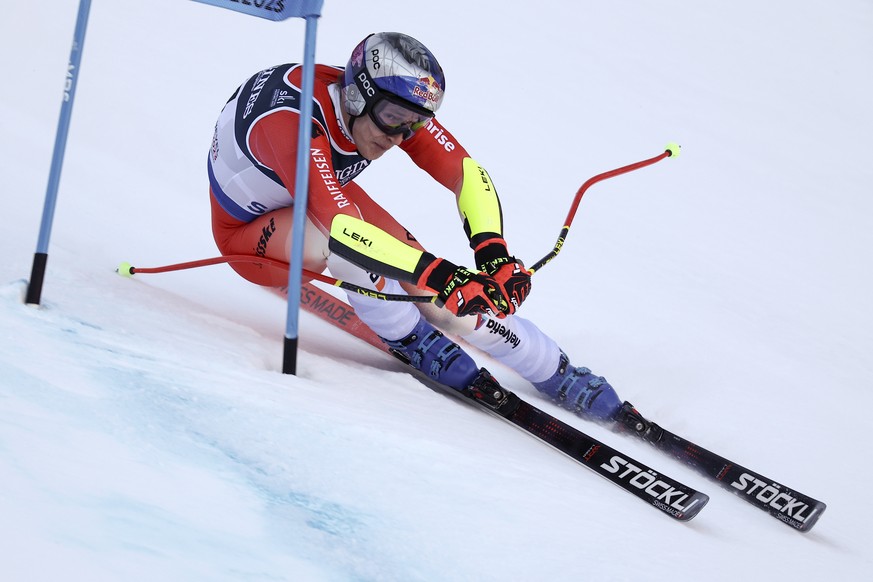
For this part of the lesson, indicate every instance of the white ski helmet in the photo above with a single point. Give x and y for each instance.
(390, 70)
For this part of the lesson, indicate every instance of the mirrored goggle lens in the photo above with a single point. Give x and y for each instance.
(393, 118)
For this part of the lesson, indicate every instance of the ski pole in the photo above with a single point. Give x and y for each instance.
(671, 150)
(127, 270)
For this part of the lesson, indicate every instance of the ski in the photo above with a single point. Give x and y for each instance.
(664, 493)
(795, 509)
(789, 506)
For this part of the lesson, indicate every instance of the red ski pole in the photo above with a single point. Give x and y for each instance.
(127, 270)
(671, 150)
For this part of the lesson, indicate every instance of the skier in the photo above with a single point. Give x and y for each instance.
(386, 96)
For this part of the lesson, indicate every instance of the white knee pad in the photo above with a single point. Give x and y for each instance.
(519, 344)
(389, 319)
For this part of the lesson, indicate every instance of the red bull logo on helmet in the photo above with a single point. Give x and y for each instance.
(428, 89)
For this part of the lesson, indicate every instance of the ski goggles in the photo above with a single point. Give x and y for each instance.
(393, 116)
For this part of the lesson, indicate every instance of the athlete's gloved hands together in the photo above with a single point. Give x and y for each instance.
(464, 292)
(493, 258)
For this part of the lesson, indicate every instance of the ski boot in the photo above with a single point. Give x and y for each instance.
(426, 349)
(628, 419)
(579, 390)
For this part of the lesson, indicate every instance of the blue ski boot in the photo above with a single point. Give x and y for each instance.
(579, 390)
(428, 350)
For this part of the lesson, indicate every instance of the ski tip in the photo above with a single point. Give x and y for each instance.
(817, 509)
(691, 508)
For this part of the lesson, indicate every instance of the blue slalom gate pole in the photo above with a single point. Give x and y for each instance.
(301, 199)
(310, 10)
(40, 258)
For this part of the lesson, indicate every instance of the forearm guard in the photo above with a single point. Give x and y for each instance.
(375, 250)
(479, 205)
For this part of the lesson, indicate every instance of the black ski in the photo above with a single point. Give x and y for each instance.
(665, 494)
(669, 496)
(789, 506)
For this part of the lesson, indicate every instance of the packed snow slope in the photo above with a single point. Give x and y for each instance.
(146, 432)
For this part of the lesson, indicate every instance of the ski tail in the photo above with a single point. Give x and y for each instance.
(334, 311)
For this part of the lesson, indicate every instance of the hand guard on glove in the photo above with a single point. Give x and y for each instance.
(493, 258)
(464, 292)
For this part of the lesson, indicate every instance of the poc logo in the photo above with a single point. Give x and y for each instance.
(366, 85)
(375, 58)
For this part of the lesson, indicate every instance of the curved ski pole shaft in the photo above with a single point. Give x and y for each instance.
(128, 270)
(671, 150)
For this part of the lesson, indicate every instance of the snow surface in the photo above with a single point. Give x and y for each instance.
(146, 432)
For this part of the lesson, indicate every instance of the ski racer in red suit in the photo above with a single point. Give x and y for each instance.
(386, 96)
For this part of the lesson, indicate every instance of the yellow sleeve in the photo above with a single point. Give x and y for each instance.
(375, 250)
(478, 203)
